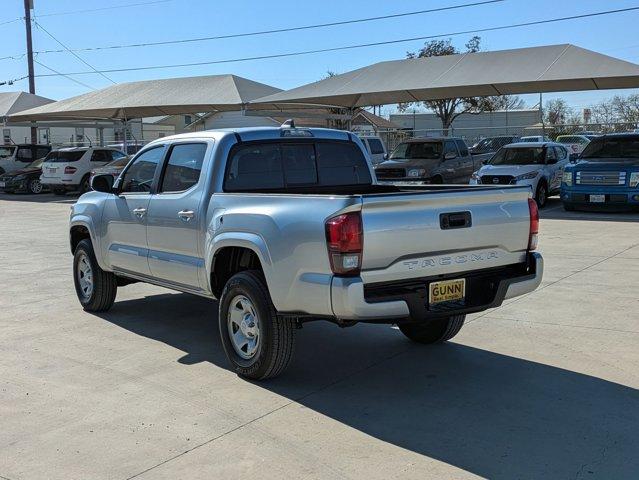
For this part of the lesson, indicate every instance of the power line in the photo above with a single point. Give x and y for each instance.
(11, 21)
(363, 45)
(280, 30)
(66, 76)
(73, 53)
(91, 10)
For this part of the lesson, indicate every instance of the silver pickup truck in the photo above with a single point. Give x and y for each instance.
(288, 225)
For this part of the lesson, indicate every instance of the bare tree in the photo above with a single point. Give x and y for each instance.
(449, 109)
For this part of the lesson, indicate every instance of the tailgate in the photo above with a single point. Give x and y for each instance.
(406, 235)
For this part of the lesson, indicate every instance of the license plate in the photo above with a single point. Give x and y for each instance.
(2, 184)
(446, 291)
(597, 198)
(52, 170)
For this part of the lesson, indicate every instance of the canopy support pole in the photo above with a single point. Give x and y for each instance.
(541, 114)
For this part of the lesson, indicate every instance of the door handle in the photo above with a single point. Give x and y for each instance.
(186, 215)
(140, 212)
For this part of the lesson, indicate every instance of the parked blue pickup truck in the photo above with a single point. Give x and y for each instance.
(605, 175)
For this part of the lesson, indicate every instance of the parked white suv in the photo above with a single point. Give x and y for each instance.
(68, 169)
(376, 149)
(539, 165)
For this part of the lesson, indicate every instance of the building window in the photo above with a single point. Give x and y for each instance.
(187, 120)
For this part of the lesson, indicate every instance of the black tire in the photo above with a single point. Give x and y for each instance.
(437, 180)
(104, 284)
(434, 331)
(35, 186)
(276, 335)
(59, 191)
(85, 186)
(541, 195)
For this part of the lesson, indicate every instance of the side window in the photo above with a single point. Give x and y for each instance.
(25, 154)
(463, 149)
(254, 167)
(450, 147)
(376, 146)
(183, 167)
(100, 156)
(551, 154)
(298, 162)
(115, 154)
(139, 176)
(562, 154)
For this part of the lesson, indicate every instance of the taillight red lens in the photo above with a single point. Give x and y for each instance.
(70, 170)
(344, 238)
(534, 224)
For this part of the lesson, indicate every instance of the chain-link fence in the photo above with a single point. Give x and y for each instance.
(392, 138)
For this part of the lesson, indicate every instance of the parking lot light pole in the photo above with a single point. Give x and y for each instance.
(28, 5)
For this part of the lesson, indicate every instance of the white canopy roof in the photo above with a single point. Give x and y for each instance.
(526, 70)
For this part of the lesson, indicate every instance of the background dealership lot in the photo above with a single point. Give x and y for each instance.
(544, 386)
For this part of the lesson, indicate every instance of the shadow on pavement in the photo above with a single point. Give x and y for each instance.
(41, 198)
(494, 415)
(554, 210)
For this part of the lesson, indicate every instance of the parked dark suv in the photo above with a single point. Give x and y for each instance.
(428, 160)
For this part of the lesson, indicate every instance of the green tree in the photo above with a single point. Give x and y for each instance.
(449, 109)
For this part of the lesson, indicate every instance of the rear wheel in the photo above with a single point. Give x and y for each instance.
(35, 186)
(96, 289)
(541, 195)
(256, 340)
(85, 185)
(435, 331)
(437, 180)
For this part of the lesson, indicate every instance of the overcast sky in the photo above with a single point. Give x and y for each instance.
(177, 19)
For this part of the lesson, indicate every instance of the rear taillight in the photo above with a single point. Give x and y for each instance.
(70, 170)
(534, 224)
(344, 238)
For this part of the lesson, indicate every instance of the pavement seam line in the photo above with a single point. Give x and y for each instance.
(509, 319)
(293, 401)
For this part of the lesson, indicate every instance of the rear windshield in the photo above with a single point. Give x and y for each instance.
(417, 150)
(277, 165)
(6, 152)
(603, 149)
(60, 157)
(571, 139)
(518, 156)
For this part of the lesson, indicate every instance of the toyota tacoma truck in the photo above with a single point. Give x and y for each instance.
(287, 225)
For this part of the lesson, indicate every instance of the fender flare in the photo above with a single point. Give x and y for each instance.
(87, 222)
(247, 240)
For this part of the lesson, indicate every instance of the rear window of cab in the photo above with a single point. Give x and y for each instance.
(277, 165)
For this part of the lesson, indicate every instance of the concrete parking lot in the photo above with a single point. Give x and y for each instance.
(543, 387)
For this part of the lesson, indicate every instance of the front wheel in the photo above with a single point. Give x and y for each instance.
(85, 185)
(96, 289)
(541, 195)
(256, 340)
(434, 331)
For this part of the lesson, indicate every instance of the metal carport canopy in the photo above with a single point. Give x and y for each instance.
(150, 98)
(554, 68)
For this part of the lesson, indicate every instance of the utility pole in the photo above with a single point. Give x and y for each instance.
(28, 5)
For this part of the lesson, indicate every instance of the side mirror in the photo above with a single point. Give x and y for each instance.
(386, 156)
(450, 156)
(102, 183)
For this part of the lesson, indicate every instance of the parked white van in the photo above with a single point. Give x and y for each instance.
(69, 169)
(16, 157)
(376, 149)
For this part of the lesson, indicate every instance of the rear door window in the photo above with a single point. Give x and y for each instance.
(450, 147)
(273, 166)
(25, 154)
(101, 156)
(463, 148)
(375, 145)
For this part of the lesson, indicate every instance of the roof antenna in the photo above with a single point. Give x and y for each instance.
(290, 123)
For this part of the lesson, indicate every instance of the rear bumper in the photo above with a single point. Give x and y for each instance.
(63, 181)
(400, 300)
